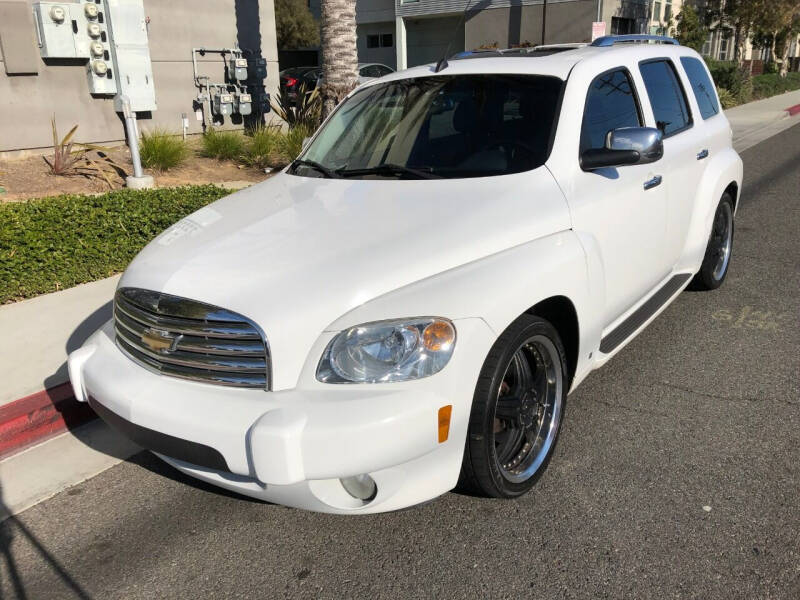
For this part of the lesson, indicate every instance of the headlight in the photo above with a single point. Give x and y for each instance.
(388, 351)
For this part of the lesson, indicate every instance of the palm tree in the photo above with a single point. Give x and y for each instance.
(339, 52)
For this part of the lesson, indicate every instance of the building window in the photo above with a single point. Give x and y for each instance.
(373, 41)
(723, 49)
(656, 11)
(622, 26)
(706, 50)
(667, 11)
(387, 40)
(383, 40)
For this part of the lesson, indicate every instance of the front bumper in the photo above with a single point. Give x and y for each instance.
(293, 446)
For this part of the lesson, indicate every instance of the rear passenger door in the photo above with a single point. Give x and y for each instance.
(685, 149)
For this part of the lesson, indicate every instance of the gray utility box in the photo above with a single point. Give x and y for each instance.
(237, 68)
(55, 30)
(131, 53)
(223, 103)
(243, 103)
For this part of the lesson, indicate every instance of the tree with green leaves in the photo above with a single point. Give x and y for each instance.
(295, 26)
(690, 31)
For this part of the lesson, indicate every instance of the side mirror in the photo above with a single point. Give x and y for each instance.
(626, 146)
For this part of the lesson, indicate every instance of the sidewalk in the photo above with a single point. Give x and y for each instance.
(36, 401)
(755, 122)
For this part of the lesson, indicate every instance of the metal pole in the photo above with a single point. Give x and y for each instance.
(544, 20)
(599, 10)
(139, 179)
(133, 139)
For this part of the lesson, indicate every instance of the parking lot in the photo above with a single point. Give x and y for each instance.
(677, 474)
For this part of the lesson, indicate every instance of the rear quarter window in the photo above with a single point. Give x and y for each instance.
(702, 86)
(670, 107)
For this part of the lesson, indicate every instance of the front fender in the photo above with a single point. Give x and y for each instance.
(498, 289)
(725, 168)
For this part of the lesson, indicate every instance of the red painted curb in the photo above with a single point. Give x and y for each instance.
(39, 416)
(793, 110)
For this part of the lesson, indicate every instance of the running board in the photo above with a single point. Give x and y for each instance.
(625, 329)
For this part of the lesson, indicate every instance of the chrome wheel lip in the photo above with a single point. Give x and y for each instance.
(724, 239)
(551, 418)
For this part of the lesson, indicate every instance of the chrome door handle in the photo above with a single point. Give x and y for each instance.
(651, 183)
(702, 154)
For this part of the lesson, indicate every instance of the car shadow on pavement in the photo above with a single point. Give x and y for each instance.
(11, 529)
(149, 461)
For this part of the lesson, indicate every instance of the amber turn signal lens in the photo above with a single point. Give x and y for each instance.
(444, 422)
(439, 335)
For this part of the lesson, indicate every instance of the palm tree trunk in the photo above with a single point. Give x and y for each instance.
(339, 52)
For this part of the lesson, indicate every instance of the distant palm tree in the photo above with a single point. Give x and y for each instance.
(339, 52)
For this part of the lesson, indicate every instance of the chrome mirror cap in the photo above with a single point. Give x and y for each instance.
(647, 141)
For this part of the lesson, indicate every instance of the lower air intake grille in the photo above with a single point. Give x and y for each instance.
(191, 340)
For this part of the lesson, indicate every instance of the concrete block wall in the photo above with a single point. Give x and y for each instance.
(27, 102)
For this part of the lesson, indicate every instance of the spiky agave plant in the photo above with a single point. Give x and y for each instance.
(74, 158)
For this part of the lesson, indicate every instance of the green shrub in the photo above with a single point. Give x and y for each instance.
(161, 150)
(293, 142)
(264, 147)
(55, 243)
(772, 84)
(223, 145)
(726, 98)
(728, 75)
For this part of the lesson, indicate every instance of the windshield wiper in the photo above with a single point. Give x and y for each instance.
(389, 169)
(329, 173)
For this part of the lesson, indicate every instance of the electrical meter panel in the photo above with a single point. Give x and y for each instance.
(223, 103)
(237, 68)
(130, 51)
(54, 30)
(243, 104)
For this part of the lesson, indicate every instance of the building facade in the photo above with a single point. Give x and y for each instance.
(405, 33)
(34, 88)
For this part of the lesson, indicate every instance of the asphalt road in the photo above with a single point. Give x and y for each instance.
(677, 475)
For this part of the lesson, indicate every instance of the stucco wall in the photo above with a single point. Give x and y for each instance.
(428, 38)
(566, 22)
(387, 56)
(27, 102)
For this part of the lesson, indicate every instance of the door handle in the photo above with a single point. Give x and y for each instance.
(702, 154)
(651, 183)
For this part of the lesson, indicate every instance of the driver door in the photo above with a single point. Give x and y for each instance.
(621, 211)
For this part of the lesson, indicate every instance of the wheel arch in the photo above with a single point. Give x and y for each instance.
(560, 312)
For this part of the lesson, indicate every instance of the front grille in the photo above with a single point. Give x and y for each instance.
(191, 340)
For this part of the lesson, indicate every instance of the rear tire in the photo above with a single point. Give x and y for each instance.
(517, 410)
(717, 258)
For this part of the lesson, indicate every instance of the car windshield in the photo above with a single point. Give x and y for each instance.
(437, 127)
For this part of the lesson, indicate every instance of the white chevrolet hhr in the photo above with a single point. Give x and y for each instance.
(406, 307)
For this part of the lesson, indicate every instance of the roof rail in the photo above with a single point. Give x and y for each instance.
(610, 40)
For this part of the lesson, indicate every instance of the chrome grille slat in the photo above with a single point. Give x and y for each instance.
(224, 347)
(196, 360)
(242, 331)
(241, 380)
(190, 340)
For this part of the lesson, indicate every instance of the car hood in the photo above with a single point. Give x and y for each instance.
(295, 253)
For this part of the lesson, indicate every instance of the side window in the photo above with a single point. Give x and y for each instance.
(666, 96)
(702, 86)
(610, 104)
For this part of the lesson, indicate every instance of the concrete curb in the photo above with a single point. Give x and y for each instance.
(39, 417)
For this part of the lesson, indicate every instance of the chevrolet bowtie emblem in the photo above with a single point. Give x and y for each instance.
(159, 341)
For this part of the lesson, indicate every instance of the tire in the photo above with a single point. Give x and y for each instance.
(717, 258)
(514, 406)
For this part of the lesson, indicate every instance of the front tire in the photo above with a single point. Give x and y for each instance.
(517, 410)
(717, 258)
